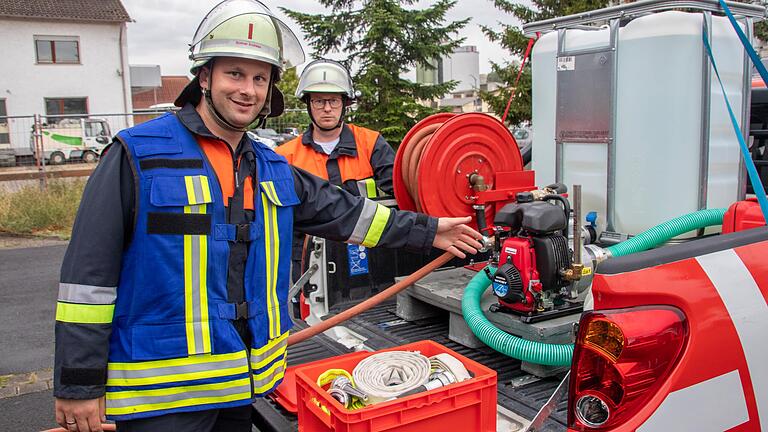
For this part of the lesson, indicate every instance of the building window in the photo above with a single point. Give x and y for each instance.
(57, 49)
(5, 137)
(65, 106)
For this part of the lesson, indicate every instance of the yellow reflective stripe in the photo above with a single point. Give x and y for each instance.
(370, 187)
(269, 345)
(261, 363)
(269, 188)
(160, 379)
(276, 249)
(206, 189)
(380, 219)
(195, 273)
(176, 390)
(274, 194)
(177, 404)
(268, 261)
(272, 257)
(204, 319)
(263, 388)
(185, 361)
(190, 189)
(188, 316)
(84, 313)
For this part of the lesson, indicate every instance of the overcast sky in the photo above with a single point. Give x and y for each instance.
(163, 28)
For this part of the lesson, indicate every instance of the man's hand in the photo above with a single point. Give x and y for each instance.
(454, 236)
(83, 415)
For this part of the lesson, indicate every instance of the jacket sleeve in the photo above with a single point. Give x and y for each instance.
(330, 212)
(382, 161)
(89, 278)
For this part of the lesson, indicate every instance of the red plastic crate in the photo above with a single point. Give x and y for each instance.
(466, 406)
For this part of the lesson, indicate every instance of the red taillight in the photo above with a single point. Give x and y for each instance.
(621, 358)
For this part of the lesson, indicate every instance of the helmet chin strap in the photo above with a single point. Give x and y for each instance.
(220, 120)
(338, 125)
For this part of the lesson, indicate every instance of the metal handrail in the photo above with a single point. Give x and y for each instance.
(638, 8)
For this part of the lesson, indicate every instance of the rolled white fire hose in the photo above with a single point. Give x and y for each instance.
(388, 375)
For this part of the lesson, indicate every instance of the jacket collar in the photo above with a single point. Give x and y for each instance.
(346, 146)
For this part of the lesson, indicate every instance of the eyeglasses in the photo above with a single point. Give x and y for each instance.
(320, 103)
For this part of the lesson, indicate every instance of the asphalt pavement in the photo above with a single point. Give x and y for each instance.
(28, 290)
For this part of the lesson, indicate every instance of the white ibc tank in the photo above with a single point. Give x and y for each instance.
(658, 127)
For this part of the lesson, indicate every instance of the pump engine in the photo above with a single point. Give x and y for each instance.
(533, 255)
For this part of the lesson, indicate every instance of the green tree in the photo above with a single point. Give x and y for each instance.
(288, 83)
(382, 40)
(512, 39)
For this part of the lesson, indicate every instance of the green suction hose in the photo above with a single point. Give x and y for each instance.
(668, 230)
(501, 341)
(560, 354)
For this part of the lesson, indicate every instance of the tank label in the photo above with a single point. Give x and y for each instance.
(357, 257)
(567, 63)
(510, 251)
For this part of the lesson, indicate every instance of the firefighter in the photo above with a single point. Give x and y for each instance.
(358, 159)
(355, 158)
(172, 310)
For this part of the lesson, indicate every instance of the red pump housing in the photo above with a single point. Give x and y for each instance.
(519, 252)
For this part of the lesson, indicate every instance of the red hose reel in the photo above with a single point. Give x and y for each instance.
(438, 156)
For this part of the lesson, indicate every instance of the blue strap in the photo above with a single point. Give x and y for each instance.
(745, 41)
(229, 310)
(228, 232)
(757, 185)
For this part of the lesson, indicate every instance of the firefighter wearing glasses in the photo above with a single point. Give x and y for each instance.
(358, 159)
(355, 158)
(172, 310)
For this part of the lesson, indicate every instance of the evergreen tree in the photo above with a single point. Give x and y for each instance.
(381, 40)
(511, 38)
(288, 83)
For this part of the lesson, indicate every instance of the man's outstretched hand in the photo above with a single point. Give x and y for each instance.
(454, 236)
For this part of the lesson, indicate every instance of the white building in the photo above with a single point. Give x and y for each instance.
(463, 66)
(62, 57)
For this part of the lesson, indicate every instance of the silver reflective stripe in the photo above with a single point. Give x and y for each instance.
(196, 300)
(87, 294)
(258, 359)
(209, 46)
(362, 188)
(262, 384)
(271, 245)
(363, 222)
(197, 187)
(116, 374)
(178, 394)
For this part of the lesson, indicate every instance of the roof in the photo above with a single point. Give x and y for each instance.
(66, 10)
(170, 88)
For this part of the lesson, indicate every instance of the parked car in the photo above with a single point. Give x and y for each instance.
(272, 134)
(522, 136)
(291, 131)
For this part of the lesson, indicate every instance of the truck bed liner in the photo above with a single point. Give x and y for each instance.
(383, 328)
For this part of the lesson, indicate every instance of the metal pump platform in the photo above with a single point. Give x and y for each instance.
(441, 292)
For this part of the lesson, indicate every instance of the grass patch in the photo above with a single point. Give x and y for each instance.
(34, 211)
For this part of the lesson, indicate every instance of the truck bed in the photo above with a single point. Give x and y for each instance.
(518, 391)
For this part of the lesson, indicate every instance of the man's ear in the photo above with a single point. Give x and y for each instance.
(204, 77)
